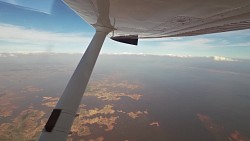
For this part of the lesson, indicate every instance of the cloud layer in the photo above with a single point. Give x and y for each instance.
(19, 39)
(20, 34)
(22, 39)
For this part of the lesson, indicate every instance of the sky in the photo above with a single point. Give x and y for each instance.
(50, 26)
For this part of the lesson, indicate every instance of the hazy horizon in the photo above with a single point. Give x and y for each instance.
(130, 97)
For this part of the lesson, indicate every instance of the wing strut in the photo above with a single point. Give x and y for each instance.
(59, 124)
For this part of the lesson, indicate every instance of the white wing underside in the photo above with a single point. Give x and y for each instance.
(166, 18)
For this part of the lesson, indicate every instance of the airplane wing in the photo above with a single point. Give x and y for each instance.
(129, 20)
(167, 18)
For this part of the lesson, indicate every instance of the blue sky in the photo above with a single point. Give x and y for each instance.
(50, 26)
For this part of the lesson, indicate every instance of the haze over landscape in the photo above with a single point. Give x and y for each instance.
(130, 97)
(170, 89)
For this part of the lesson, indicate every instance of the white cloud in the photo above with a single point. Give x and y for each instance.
(146, 54)
(179, 56)
(161, 39)
(12, 33)
(220, 58)
(19, 39)
(7, 55)
(215, 58)
(197, 42)
(126, 53)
